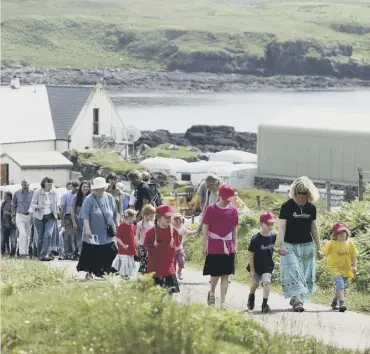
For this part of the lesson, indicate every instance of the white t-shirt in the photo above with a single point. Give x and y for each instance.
(132, 200)
(143, 227)
(47, 205)
(183, 232)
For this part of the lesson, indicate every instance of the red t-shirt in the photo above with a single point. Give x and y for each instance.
(126, 233)
(221, 222)
(161, 258)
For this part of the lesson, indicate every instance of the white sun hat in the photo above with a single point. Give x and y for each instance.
(99, 183)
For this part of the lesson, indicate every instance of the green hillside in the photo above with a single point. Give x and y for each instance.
(142, 34)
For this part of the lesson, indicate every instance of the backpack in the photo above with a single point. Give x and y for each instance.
(155, 197)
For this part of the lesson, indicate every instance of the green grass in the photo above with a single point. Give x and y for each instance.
(111, 317)
(163, 150)
(60, 33)
(107, 159)
(354, 215)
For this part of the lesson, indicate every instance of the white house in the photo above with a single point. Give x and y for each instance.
(195, 172)
(234, 156)
(36, 118)
(240, 176)
(21, 165)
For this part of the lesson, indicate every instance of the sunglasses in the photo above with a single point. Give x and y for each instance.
(302, 193)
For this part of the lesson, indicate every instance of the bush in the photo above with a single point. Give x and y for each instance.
(20, 275)
(119, 318)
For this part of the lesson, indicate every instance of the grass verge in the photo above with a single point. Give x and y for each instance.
(108, 159)
(90, 317)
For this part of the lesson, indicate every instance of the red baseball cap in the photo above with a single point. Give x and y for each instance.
(227, 192)
(339, 227)
(267, 217)
(164, 210)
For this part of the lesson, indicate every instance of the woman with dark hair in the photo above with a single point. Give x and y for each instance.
(8, 235)
(44, 208)
(116, 192)
(77, 201)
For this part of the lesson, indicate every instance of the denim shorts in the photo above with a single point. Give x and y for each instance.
(340, 282)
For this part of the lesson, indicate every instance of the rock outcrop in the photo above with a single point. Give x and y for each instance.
(203, 137)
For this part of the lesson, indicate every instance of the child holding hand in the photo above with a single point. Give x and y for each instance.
(124, 262)
(179, 223)
(341, 256)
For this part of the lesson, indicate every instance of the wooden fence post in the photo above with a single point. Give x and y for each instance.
(328, 195)
(258, 201)
(361, 186)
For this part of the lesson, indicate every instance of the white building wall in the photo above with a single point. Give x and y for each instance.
(62, 146)
(34, 146)
(290, 152)
(110, 123)
(14, 170)
(60, 176)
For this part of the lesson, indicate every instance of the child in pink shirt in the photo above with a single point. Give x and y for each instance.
(219, 241)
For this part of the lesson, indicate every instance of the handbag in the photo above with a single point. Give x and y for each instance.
(110, 231)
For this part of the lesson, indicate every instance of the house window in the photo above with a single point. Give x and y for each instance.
(186, 177)
(96, 121)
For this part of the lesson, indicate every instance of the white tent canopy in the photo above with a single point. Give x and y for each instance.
(240, 176)
(162, 164)
(234, 156)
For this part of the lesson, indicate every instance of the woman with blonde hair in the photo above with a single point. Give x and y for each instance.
(297, 232)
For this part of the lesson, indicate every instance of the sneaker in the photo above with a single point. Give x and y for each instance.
(61, 258)
(211, 300)
(250, 304)
(266, 308)
(89, 276)
(334, 305)
(342, 308)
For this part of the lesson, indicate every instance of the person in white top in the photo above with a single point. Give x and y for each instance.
(179, 222)
(141, 229)
(44, 208)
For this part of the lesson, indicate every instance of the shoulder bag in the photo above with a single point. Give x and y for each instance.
(110, 231)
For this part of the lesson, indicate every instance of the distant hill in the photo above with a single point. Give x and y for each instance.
(220, 36)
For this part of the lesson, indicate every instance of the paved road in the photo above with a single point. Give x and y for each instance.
(347, 330)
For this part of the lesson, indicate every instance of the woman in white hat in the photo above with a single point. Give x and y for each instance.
(99, 215)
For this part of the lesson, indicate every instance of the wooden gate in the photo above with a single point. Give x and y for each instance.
(4, 175)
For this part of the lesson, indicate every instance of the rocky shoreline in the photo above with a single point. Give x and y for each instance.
(145, 81)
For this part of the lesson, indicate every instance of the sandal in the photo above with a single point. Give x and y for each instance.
(298, 307)
(211, 300)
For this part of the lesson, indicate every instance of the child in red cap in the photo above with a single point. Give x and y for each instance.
(219, 241)
(261, 263)
(161, 242)
(341, 256)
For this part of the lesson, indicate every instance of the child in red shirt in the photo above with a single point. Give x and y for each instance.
(161, 242)
(124, 262)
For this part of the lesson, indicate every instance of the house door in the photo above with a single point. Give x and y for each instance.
(4, 175)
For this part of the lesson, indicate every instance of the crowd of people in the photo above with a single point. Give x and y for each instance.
(108, 230)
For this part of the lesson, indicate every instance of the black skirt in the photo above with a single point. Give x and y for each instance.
(219, 264)
(97, 259)
(169, 282)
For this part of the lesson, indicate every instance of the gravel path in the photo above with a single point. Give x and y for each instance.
(347, 330)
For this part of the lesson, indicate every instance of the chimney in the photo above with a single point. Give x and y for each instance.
(15, 83)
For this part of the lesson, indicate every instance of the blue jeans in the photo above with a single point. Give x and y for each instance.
(45, 229)
(8, 240)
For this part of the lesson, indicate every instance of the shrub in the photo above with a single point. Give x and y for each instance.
(20, 275)
(118, 318)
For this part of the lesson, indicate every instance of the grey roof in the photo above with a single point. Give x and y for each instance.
(66, 103)
(51, 159)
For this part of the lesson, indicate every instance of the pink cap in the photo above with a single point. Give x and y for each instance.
(267, 218)
(164, 210)
(339, 227)
(226, 192)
